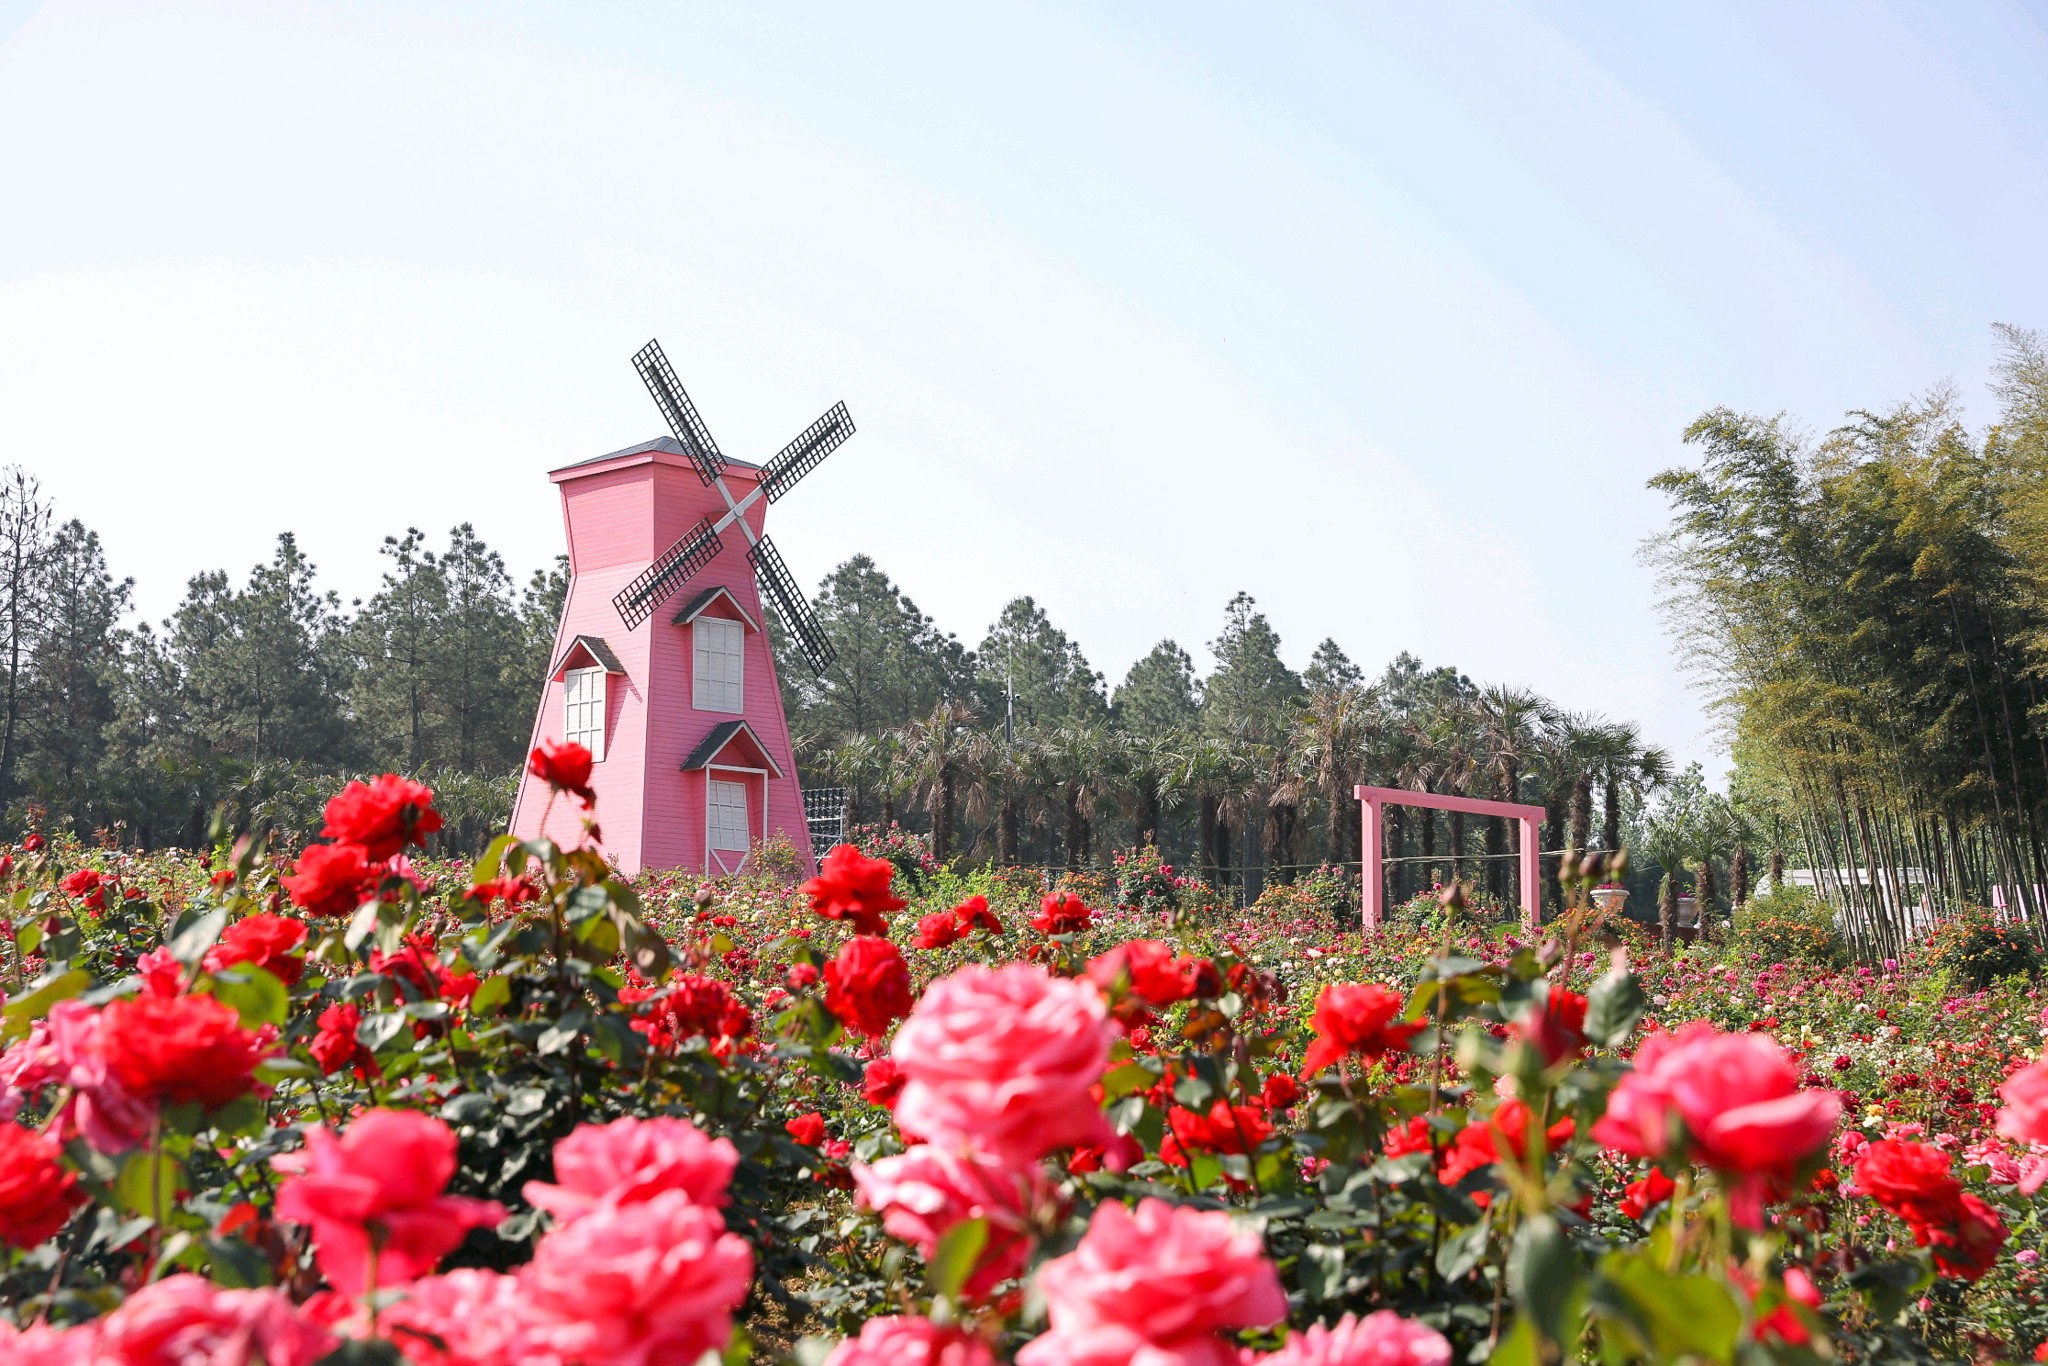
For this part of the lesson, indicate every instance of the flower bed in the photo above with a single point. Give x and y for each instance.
(361, 1105)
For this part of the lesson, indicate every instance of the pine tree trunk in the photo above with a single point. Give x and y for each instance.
(1738, 877)
(1205, 840)
(1610, 829)
(1582, 813)
(1077, 834)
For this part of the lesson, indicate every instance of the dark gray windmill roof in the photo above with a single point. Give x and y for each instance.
(722, 735)
(599, 651)
(667, 445)
(695, 606)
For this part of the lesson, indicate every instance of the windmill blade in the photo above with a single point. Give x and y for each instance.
(656, 583)
(807, 452)
(691, 433)
(774, 576)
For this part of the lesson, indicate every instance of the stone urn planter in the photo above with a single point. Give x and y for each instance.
(1609, 899)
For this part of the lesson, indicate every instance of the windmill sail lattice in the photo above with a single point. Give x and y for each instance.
(796, 614)
(638, 600)
(691, 433)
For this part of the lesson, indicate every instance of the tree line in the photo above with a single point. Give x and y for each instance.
(1016, 751)
(1868, 612)
(254, 694)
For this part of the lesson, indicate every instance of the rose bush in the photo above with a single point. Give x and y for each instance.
(349, 1102)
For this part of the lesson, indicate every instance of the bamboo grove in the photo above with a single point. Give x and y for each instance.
(1868, 612)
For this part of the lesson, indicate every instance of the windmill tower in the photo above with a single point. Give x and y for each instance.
(662, 666)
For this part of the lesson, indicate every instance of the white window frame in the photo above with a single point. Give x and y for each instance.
(585, 698)
(718, 665)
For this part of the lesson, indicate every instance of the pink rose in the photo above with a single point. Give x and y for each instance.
(1380, 1339)
(628, 1285)
(904, 1340)
(42, 1345)
(382, 1179)
(1640, 1111)
(1112, 1344)
(1167, 1278)
(924, 1192)
(1740, 1099)
(1737, 1096)
(1002, 1061)
(463, 1318)
(2025, 1093)
(630, 1160)
(64, 1050)
(184, 1318)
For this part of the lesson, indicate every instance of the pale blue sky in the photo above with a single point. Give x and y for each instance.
(1383, 313)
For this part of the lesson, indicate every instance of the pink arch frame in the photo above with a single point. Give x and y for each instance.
(1373, 879)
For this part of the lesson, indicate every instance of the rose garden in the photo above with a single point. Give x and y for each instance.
(349, 1103)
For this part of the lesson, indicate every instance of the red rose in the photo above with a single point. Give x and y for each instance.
(332, 879)
(1557, 1029)
(89, 886)
(881, 1082)
(937, 930)
(854, 888)
(868, 985)
(691, 1006)
(1639, 1197)
(32, 843)
(807, 1130)
(974, 914)
(1280, 1092)
(1407, 1139)
(264, 941)
(1226, 1128)
(1148, 968)
(172, 1049)
(1361, 1018)
(1967, 1245)
(1502, 1137)
(510, 889)
(564, 766)
(37, 1194)
(336, 1045)
(1912, 1180)
(383, 815)
(1062, 914)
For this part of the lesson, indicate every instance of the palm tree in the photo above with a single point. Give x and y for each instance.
(1329, 750)
(941, 756)
(860, 763)
(1150, 765)
(1507, 725)
(1624, 762)
(1212, 769)
(1080, 760)
(1566, 750)
(1012, 777)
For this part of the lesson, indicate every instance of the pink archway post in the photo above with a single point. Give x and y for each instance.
(1374, 873)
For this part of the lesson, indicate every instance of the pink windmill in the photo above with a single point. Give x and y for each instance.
(675, 693)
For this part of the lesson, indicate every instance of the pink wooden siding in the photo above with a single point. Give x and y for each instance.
(619, 514)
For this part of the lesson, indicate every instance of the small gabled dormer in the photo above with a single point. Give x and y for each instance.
(585, 671)
(718, 628)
